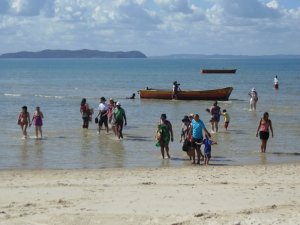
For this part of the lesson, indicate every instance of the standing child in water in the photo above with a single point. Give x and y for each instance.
(207, 149)
(226, 119)
(37, 119)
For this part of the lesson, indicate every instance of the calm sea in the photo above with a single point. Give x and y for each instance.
(58, 85)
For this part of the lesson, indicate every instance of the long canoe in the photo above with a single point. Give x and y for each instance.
(218, 70)
(214, 94)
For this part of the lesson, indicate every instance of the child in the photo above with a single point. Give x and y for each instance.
(226, 119)
(37, 119)
(207, 149)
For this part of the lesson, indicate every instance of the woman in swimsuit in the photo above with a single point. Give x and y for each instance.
(37, 119)
(263, 130)
(24, 121)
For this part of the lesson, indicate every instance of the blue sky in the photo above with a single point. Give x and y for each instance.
(155, 27)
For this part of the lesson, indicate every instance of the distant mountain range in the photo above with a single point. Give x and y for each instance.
(84, 53)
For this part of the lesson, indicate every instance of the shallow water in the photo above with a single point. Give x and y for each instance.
(58, 85)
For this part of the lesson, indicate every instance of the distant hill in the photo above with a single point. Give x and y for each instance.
(84, 53)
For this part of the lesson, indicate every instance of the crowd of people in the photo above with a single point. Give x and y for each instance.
(192, 126)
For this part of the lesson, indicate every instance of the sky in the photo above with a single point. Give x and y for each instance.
(154, 27)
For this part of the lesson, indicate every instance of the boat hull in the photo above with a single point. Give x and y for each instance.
(218, 71)
(215, 94)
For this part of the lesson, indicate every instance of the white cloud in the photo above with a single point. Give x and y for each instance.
(152, 26)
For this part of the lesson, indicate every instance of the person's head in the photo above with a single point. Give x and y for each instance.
(163, 117)
(111, 101)
(118, 104)
(185, 119)
(102, 99)
(83, 101)
(266, 115)
(175, 82)
(224, 110)
(37, 108)
(215, 103)
(133, 94)
(197, 117)
(253, 89)
(24, 108)
(191, 116)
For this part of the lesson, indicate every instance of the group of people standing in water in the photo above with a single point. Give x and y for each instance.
(24, 121)
(111, 113)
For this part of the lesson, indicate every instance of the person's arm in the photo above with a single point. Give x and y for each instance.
(271, 128)
(206, 132)
(28, 117)
(171, 131)
(124, 115)
(258, 128)
(42, 115)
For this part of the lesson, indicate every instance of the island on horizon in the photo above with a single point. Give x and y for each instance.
(84, 53)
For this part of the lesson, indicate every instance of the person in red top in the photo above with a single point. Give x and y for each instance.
(24, 121)
(263, 130)
(86, 113)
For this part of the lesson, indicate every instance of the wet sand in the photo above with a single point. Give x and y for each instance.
(255, 194)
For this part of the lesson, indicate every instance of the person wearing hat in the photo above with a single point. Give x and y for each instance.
(103, 112)
(175, 90)
(253, 99)
(186, 136)
(120, 119)
(166, 135)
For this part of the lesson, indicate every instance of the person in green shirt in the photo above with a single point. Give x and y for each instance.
(166, 134)
(120, 118)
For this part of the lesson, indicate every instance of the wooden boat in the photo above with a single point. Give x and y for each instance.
(214, 94)
(218, 70)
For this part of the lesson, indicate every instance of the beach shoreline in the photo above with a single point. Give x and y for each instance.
(251, 194)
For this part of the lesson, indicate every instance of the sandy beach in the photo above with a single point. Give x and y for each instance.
(184, 195)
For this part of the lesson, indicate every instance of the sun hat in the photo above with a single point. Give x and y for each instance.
(253, 89)
(118, 103)
(185, 119)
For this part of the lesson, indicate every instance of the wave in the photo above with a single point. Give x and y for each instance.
(12, 95)
(50, 96)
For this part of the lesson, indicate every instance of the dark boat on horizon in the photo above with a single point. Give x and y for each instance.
(218, 70)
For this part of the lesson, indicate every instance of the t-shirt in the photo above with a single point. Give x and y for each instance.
(226, 117)
(103, 107)
(119, 114)
(207, 146)
(198, 126)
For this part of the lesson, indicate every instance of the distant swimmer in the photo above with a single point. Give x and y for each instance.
(131, 97)
(253, 99)
(276, 82)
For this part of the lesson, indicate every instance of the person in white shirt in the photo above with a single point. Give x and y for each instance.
(276, 83)
(103, 112)
(253, 99)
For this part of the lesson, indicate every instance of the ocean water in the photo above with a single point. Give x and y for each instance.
(58, 85)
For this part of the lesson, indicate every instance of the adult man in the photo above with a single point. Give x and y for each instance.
(120, 117)
(175, 90)
(276, 82)
(197, 136)
(103, 112)
(215, 112)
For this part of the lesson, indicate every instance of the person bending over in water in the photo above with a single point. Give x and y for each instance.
(24, 121)
(131, 97)
(37, 119)
(263, 131)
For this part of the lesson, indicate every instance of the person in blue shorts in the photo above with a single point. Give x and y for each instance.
(197, 136)
(207, 149)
